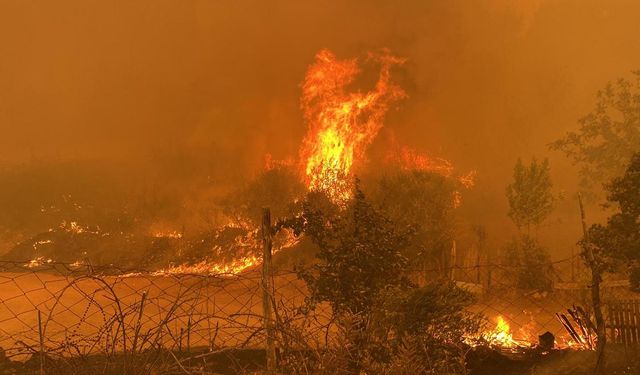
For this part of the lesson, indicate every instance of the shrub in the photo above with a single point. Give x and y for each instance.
(528, 264)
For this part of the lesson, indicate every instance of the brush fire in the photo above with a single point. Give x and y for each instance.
(319, 188)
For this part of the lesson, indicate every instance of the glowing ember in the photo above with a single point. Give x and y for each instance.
(468, 180)
(172, 234)
(72, 227)
(409, 159)
(270, 163)
(37, 262)
(341, 124)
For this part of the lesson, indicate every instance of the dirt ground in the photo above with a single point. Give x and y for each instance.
(85, 312)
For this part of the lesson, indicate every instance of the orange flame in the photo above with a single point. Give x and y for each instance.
(341, 124)
(410, 159)
(501, 335)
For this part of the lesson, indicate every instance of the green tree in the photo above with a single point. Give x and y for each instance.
(618, 242)
(361, 272)
(360, 254)
(608, 135)
(530, 197)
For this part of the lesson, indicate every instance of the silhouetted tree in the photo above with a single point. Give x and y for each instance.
(360, 270)
(608, 135)
(530, 197)
(618, 242)
(529, 264)
(424, 202)
(277, 188)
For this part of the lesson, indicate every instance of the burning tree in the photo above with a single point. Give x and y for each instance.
(341, 124)
(388, 323)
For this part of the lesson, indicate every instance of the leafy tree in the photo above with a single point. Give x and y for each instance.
(618, 242)
(360, 270)
(608, 135)
(529, 264)
(360, 254)
(424, 202)
(529, 195)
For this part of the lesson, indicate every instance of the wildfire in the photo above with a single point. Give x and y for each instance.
(171, 234)
(341, 124)
(250, 242)
(230, 268)
(37, 262)
(501, 335)
(409, 159)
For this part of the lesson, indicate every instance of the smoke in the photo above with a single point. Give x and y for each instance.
(201, 91)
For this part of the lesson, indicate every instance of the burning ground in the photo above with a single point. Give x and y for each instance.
(342, 122)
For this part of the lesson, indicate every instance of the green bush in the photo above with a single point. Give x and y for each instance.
(382, 318)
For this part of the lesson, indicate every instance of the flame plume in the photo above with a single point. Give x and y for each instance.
(341, 124)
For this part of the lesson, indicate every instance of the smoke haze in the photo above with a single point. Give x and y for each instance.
(204, 89)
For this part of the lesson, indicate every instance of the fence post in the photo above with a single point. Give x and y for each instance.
(266, 291)
(452, 260)
(40, 335)
(478, 277)
(189, 335)
(595, 294)
(489, 269)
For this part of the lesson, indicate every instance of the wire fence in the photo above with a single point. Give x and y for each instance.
(60, 310)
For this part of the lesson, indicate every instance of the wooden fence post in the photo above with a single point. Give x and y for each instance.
(266, 291)
(42, 357)
(596, 278)
(453, 256)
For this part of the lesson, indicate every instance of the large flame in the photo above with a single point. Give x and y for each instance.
(340, 123)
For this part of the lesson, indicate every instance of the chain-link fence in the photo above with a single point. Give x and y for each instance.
(56, 310)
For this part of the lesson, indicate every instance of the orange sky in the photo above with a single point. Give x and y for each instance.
(487, 80)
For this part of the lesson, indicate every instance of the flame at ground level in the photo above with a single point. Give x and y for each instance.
(502, 337)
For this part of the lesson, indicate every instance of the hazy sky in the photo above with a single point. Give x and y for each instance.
(488, 80)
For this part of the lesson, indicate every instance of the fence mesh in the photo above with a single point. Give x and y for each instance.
(80, 310)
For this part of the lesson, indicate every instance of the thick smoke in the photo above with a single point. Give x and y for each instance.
(189, 97)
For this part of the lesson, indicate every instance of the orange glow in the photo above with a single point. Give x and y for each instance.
(501, 335)
(229, 268)
(341, 124)
(409, 159)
